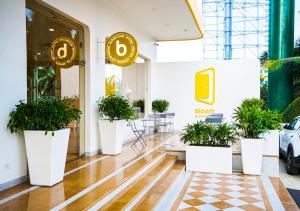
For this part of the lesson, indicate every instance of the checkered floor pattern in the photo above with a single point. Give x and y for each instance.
(222, 192)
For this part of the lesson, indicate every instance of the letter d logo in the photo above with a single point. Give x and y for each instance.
(62, 52)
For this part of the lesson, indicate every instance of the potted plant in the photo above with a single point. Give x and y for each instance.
(46, 137)
(249, 119)
(209, 147)
(114, 112)
(140, 105)
(160, 106)
(272, 123)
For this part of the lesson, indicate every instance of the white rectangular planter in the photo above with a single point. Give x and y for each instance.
(271, 142)
(209, 159)
(252, 153)
(111, 134)
(46, 155)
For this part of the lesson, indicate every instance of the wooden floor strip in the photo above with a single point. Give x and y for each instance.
(71, 167)
(263, 194)
(285, 197)
(102, 191)
(14, 190)
(122, 200)
(98, 193)
(183, 191)
(155, 195)
(45, 198)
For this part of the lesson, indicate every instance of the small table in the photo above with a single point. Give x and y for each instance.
(154, 125)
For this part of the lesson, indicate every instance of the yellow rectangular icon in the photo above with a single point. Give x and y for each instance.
(202, 86)
(205, 86)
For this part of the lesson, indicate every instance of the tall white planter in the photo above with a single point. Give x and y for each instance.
(209, 159)
(111, 134)
(46, 155)
(271, 142)
(252, 153)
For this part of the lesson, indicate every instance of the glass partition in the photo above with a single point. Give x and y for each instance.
(45, 79)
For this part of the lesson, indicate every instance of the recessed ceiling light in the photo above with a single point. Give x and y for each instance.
(38, 54)
(51, 30)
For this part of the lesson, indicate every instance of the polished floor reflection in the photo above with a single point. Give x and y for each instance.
(148, 179)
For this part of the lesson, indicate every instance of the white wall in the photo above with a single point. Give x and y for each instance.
(133, 77)
(13, 60)
(235, 80)
(180, 51)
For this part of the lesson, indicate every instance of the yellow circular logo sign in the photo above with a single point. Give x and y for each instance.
(121, 49)
(63, 52)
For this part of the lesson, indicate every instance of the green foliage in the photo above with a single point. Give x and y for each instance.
(263, 58)
(253, 119)
(160, 106)
(203, 134)
(224, 135)
(250, 120)
(272, 120)
(253, 102)
(140, 104)
(273, 65)
(45, 114)
(115, 108)
(291, 111)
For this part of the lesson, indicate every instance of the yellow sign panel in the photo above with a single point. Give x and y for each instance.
(63, 52)
(121, 49)
(205, 86)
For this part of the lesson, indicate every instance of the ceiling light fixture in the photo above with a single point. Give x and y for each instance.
(51, 30)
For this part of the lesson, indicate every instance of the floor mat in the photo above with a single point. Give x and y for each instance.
(296, 195)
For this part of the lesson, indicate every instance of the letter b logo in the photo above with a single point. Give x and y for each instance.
(121, 49)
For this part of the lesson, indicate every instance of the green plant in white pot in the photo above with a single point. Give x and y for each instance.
(209, 147)
(249, 118)
(272, 123)
(46, 137)
(114, 112)
(160, 106)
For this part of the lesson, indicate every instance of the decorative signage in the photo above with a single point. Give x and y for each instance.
(205, 86)
(205, 91)
(63, 52)
(121, 49)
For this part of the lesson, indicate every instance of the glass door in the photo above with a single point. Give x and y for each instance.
(47, 79)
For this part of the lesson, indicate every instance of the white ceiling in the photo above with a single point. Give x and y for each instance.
(162, 19)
